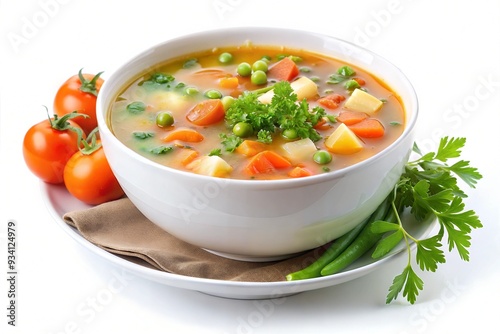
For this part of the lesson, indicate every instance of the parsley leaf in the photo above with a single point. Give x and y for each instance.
(408, 282)
(161, 150)
(230, 142)
(142, 134)
(136, 107)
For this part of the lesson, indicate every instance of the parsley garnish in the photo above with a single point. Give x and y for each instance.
(429, 187)
(161, 150)
(343, 73)
(216, 152)
(136, 107)
(230, 142)
(142, 134)
(283, 113)
(157, 78)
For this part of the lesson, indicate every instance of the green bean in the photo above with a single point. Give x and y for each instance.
(337, 247)
(364, 242)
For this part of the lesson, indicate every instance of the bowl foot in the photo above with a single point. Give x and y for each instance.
(247, 258)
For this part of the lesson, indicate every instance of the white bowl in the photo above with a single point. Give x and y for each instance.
(249, 219)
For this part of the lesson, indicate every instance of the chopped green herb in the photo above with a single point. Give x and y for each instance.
(161, 150)
(346, 71)
(332, 118)
(216, 151)
(190, 63)
(264, 136)
(230, 142)
(351, 84)
(142, 134)
(136, 107)
(342, 74)
(157, 78)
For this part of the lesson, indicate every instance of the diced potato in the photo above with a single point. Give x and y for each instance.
(167, 101)
(363, 101)
(303, 87)
(211, 166)
(343, 141)
(299, 150)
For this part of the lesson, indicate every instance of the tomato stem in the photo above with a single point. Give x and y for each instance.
(61, 123)
(89, 86)
(90, 144)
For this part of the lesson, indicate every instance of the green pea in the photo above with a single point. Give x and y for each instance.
(259, 65)
(242, 129)
(225, 58)
(227, 101)
(290, 134)
(213, 94)
(164, 119)
(322, 157)
(266, 58)
(244, 69)
(191, 91)
(259, 77)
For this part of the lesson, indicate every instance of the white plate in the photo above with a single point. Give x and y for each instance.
(59, 201)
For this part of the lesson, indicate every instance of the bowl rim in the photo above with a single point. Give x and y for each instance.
(410, 122)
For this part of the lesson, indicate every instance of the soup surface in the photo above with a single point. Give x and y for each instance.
(257, 112)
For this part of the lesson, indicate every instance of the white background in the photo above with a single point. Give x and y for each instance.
(450, 50)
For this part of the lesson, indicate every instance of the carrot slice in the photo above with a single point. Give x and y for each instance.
(228, 82)
(285, 69)
(322, 124)
(187, 155)
(350, 117)
(277, 160)
(368, 128)
(206, 112)
(266, 162)
(259, 164)
(360, 81)
(184, 134)
(299, 172)
(250, 147)
(331, 101)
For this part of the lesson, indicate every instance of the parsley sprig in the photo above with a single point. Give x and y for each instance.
(430, 187)
(284, 112)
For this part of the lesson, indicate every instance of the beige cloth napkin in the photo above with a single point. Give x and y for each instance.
(118, 227)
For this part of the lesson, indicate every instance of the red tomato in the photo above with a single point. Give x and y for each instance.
(89, 178)
(79, 93)
(48, 145)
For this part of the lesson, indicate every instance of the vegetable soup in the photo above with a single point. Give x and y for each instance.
(257, 112)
